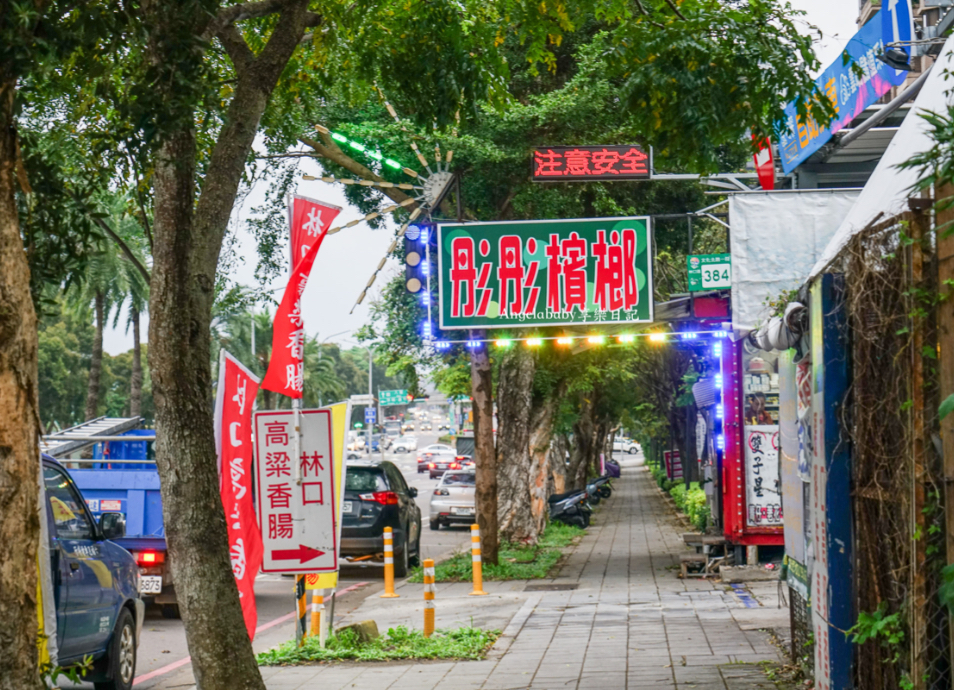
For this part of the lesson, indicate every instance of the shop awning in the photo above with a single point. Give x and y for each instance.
(887, 191)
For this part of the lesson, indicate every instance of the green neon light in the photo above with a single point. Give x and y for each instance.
(376, 155)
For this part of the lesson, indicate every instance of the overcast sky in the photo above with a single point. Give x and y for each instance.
(347, 259)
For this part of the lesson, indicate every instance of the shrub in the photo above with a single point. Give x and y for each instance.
(678, 493)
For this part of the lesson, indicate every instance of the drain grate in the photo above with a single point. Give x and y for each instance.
(549, 588)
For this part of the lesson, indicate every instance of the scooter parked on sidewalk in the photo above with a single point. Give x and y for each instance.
(571, 508)
(601, 486)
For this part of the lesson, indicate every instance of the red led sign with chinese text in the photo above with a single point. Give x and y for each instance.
(552, 163)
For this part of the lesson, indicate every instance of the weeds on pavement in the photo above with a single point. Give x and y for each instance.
(516, 562)
(398, 643)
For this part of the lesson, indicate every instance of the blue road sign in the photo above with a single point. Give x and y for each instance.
(370, 415)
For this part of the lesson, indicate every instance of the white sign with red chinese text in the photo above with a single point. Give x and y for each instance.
(296, 504)
(762, 487)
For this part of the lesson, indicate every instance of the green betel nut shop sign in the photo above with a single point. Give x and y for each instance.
(545, 273)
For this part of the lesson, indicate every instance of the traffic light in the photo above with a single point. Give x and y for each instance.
(415, 258)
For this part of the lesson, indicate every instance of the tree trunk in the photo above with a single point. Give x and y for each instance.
(19, 448)
(558, 463)
(514, 394)
(96, 362)
(484, 456)
(541, 435)
(188, 239)
(582, 451)
(135, 384)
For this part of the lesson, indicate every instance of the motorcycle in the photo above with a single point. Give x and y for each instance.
(600, 488)
(571, 508)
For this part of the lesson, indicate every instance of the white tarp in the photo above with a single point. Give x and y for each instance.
(888, 189)
(776, 239)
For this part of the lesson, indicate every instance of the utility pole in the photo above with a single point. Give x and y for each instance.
(370, 403)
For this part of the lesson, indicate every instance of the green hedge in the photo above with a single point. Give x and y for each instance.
(691, 501)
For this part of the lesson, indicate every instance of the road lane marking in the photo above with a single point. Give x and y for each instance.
(278, 621)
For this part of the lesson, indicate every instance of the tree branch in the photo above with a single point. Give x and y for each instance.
(643, 11)
(247, 10)
(123, 246)
(676, 10)
(333, 153)
(313, 19)
(236, 47)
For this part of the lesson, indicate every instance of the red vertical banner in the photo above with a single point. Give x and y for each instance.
(308, 220)
(286, 368)
(236, 391)
(765, 164)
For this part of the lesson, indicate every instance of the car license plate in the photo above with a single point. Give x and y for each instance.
(346, 506)
(462, 511)
(150, 584)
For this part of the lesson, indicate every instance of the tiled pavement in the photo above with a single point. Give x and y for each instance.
(631, 623)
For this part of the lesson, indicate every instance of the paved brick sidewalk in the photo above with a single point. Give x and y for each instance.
(630, 623)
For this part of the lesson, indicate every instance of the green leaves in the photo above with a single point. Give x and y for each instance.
(947, 406)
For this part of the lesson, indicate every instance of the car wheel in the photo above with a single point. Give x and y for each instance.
(633, 450)
(402, 560)
(121, 657)
(171, 611)
(435, 525)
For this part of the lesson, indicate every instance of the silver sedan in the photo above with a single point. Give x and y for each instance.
(452, 502)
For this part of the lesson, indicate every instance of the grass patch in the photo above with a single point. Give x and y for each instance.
(516, 562)
(398, 643)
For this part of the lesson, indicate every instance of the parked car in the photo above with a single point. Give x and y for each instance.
(376, 496)
(405, 444)
(452, 502)
(625, 445)
(99, 612)
(425, 455)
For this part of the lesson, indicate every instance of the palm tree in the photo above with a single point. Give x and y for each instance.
(102, 286)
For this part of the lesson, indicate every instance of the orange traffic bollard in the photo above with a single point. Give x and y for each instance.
(428, 597)
(301, 630)
(317, 608)
(389, 565)
(476, 561)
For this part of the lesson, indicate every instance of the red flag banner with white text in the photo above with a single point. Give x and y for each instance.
(286, 369)
(308, 220)
(236, 391)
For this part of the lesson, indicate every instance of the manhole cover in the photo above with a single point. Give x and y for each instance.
(549, 588)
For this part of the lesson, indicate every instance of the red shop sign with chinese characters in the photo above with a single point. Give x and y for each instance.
(296, 497)
(552, 163)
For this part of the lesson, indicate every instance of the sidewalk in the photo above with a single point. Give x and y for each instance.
(615, 617)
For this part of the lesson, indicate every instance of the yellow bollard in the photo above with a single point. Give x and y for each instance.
(389, 565)
(476, 561)
(428, 597)
(317, 608)
(301, 631)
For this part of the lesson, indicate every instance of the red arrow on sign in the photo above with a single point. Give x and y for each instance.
(302, 554)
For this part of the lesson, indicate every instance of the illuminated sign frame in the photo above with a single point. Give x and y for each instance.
(499, 274)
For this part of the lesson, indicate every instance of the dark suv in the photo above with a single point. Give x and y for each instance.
(376, 496)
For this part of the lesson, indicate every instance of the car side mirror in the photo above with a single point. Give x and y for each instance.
(112, 525)
(411, 490)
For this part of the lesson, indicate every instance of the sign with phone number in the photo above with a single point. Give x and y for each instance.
(709, 272)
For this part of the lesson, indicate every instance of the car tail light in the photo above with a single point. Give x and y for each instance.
(441, 492)
(455, 465)
(385, 498)
(460, 458)
(148, 558)
(430, 465)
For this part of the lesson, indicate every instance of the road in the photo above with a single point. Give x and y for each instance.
(163, 653)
